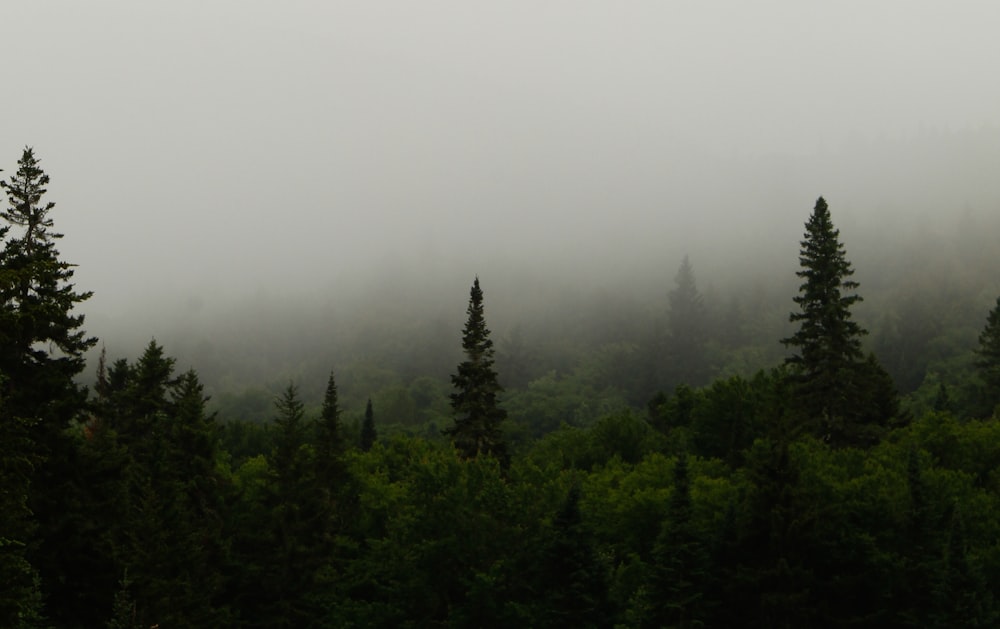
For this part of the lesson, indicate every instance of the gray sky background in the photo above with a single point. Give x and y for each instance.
(210, 149)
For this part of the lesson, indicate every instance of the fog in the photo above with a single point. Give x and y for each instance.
(238, 161)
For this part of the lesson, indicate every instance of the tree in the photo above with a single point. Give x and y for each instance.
(477, 411)
(828, 367)
(42, 347)
(20, 599)
(42, 344)
(573, 590)
(330, 442)
(368, 433)
(681, 561)
(988, 356)
(687, 327)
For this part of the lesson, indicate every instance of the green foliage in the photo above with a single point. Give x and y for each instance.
(20, 598)
(832, 379)
(369, 435)
(331, 443)
(988, 356)
(475, 402)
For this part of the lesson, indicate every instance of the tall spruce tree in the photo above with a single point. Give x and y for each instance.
(830, 373)
(42, 347)
(42, 344)
(988, 357)
(477, 410)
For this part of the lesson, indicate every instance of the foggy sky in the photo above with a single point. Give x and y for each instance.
(201, 151)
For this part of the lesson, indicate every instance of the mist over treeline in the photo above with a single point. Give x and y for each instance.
(917, 216)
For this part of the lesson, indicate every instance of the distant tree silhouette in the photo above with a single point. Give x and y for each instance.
(988, 356)
(687, 328)
(368, 433)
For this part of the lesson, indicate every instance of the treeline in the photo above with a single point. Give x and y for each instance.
(804, 495)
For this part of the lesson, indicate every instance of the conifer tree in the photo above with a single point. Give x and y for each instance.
(988, 356)
(330, 442)
(368, 433)
(477, 410)
(42, 347)
(573, 590)
(20, 599)
(36, 307)
(681, 570)
(829, 370)
(687, 327)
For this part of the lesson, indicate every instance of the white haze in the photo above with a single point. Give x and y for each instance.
(212, 153)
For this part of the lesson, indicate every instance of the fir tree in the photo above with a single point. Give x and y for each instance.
(368, 433)
(988, 357)
(477, 410)
(830, 371)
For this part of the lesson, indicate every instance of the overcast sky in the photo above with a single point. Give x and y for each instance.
(205, 148)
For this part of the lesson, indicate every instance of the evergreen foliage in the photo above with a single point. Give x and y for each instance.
(42, 346)
(20, 598)
(331, 442)
(368, 433)
(36, 306)
(679, 579)
(723, 509)
(988, 357)
(475, 402)
(828, 366)
(573, 588)
(687, 326)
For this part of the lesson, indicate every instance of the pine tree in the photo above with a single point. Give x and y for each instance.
(830, 371)
(368, 433)
(477, 410)
(988, 356)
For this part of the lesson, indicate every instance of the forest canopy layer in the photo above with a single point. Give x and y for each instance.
(791, 453)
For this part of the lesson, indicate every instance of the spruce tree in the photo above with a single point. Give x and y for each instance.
(572, 589)
(988, 357)
(330, 442)
(477, 410)
(42, 344)
(829, 370)
(368, 433)
(42, 347)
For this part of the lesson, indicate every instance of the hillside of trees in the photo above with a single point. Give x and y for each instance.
(818, 450)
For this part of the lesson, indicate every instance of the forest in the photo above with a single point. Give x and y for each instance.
(810, 451)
